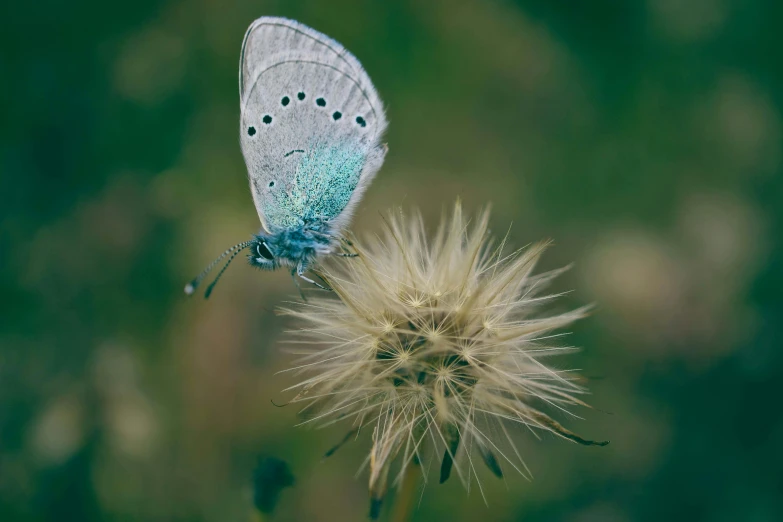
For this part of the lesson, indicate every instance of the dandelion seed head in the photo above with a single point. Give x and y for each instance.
(438, 344)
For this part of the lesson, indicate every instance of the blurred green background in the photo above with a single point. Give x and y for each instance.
(643, 136)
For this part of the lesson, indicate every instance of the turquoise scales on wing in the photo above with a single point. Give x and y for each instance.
(323, 184)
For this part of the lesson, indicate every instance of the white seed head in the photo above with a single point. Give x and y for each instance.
(436, 347)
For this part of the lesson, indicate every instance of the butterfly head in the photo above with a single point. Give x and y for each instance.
(261, 255)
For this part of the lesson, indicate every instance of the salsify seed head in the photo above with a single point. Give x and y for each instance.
(436, 345)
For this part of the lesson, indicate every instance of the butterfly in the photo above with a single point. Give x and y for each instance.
(311, 123)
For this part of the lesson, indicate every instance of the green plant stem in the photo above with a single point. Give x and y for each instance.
(403, 502)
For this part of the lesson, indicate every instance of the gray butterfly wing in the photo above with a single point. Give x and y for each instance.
(310, 125)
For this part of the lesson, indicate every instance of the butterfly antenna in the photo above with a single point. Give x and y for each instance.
(191, 287)
(217, 277)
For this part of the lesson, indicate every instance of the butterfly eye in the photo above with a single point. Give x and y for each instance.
(264, 252)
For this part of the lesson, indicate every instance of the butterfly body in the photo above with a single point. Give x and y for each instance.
(310, 129)
(295, 247)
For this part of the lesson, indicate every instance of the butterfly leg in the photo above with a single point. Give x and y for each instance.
(344, 247)
(319, 285)
(338, 239)
(300, 269)
(298, 286)
(343, 242)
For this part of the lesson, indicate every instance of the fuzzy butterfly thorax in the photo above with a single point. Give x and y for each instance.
(294, 247)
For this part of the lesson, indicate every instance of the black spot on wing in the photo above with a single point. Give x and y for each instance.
(360, 120)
